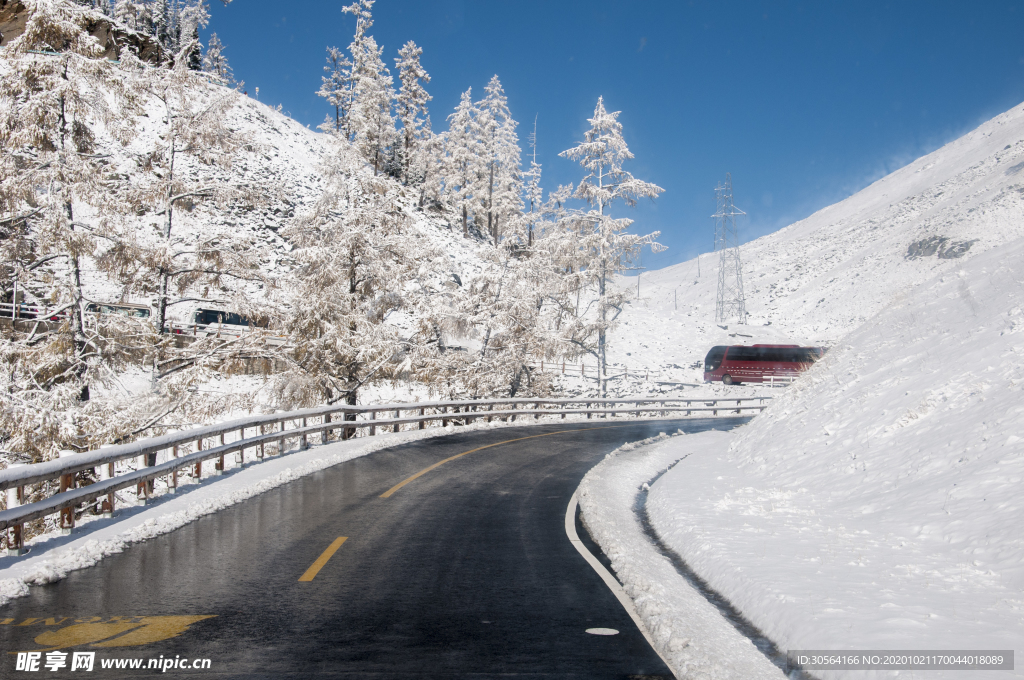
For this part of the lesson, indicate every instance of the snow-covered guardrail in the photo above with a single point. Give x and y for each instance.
(184, 452)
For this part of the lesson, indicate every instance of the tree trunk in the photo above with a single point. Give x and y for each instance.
(490, 202)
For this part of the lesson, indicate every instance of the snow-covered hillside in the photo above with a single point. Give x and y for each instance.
(820, 278)
(875, 504)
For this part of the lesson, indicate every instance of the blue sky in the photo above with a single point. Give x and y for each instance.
(804, 103)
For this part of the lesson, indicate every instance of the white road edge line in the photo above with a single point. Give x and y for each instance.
(606, 576)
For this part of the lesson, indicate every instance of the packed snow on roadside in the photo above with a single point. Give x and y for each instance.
(690, 633)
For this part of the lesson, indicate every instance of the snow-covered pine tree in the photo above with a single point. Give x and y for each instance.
(359, 258)
(429, 165)
(192, 17)
(127, 13)
(462, 144)
(500, 182)
(533, 194)
(373, 126)
(215, 63)
(604, 244)
(337, 90)
(412, 106)
(361, 10)
(58, 95)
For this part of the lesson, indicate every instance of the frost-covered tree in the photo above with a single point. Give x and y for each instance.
(215, 63)
(429, 165)
(533, 194)
(373, 126)
(359, 260)
(500, 180)
(412, 105)
(604, 244)
(58, 97)
(337, 90)
(192, 17)
(127, 13)
(463, 163)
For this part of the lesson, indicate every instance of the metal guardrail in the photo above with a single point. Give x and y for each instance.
(141, 466)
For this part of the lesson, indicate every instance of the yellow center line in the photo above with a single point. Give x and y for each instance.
(396, 487)
(315, 568)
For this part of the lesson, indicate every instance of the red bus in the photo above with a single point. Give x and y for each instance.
(759, 363)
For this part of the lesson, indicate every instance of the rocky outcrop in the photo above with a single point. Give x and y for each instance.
(113, 38)
(941, 246)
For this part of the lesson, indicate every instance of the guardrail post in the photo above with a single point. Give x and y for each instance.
(218, 468)
(172, 484)
(67, 513)
(103, 473)
(444, 421)
(589, 414)
(15, 497)
(398, 415)
(373, 428)
(198, 472)
(536, 407)
(325, 434)
(261, 451)
(305, 442)
(423, 423)
(638, 409)
(240, 454)
(513, 415)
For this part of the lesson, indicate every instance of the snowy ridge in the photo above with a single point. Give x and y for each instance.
(820, 278)
(875, 504)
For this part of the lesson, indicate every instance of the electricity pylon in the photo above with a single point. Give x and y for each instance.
(731, 305)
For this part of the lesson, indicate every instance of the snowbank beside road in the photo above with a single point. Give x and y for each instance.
(690, 633)
(876, 504)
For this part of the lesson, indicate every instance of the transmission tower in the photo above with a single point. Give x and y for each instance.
(731, 305)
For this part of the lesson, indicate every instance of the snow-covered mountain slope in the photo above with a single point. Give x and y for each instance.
(875, 503)
(819, 278)
(283, 158)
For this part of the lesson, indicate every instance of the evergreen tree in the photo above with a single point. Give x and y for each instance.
(533, 194)
(500, 182)
(57, 96)
(337, 90)
(215, 63)
(604, 244)
(127, 13)
(463, 156)
(373, 126)
(412, 104)
(360, 258)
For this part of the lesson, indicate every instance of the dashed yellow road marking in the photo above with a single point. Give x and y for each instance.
(315, 568)
(396, 487)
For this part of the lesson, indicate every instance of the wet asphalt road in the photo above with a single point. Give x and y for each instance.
(465, 572)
